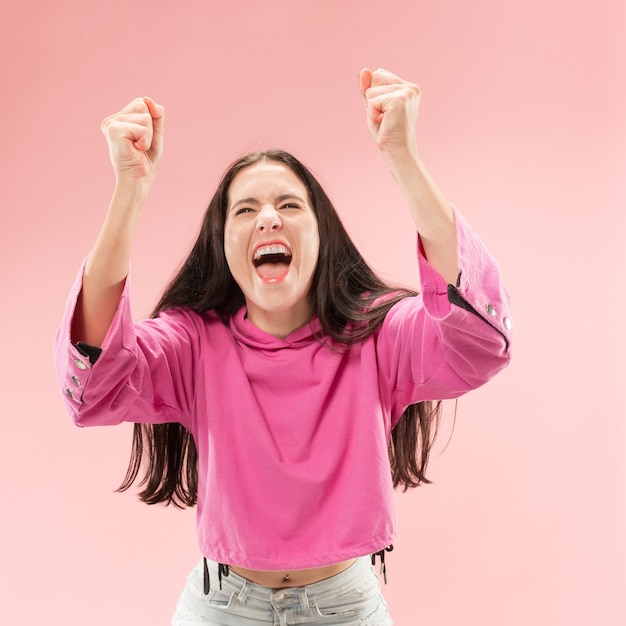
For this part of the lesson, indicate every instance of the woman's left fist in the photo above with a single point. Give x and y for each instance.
(392, 106)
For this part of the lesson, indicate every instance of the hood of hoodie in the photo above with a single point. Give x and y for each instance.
(245, 332)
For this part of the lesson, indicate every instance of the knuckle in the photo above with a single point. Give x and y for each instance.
(105, 125)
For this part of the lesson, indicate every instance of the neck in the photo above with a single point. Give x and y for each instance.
(279, 323)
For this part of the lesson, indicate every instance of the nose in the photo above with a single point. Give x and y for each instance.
(268, 220)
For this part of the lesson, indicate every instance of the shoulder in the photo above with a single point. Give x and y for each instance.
(185, 315)
(402, 308)
(184, 322)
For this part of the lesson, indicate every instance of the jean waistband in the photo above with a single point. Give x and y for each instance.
(232, 582)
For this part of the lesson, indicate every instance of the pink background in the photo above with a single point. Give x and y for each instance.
(522, 124)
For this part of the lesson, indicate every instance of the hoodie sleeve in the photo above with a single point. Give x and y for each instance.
(143, 372)
(449, 339)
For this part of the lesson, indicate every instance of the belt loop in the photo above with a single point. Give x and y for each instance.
(245, 590)
(304, 598)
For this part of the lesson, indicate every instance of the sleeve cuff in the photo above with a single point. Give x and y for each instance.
(91, 352)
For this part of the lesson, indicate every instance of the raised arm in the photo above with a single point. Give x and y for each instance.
(392, 110)
(135, 139)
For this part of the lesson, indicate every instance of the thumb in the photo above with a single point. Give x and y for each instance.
(157, 112)
(365, 80)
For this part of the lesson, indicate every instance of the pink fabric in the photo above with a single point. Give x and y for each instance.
(292, 435)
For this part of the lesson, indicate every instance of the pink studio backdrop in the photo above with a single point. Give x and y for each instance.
(522, 124)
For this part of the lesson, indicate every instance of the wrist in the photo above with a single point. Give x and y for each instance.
(407, 168)
(402, 161)
(131, 193)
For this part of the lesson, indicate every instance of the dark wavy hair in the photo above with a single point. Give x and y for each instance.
(349, 299)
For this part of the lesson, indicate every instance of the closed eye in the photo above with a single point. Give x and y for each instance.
(244, 209)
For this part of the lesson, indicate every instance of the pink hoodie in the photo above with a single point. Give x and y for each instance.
(292, 435)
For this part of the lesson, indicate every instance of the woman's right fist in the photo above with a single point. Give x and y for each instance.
(135, 138)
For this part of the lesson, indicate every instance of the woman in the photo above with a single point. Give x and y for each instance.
(281, 384)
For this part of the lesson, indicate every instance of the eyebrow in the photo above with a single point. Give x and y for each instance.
(277, 200)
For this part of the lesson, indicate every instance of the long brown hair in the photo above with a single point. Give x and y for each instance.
(349, 299)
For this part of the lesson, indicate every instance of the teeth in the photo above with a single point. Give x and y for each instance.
(271, 249)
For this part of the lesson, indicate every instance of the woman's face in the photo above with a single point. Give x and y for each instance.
(271, 241)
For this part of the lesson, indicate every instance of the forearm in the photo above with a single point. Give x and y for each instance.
(135, 138)
(392, 108)
(107, 265)
(431, 212)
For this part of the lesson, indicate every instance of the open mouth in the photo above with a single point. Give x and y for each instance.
(272, 262)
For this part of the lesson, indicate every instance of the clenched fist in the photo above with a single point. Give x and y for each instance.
(392, 106)
(135, 138)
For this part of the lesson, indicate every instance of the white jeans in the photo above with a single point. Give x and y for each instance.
(352, 597)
